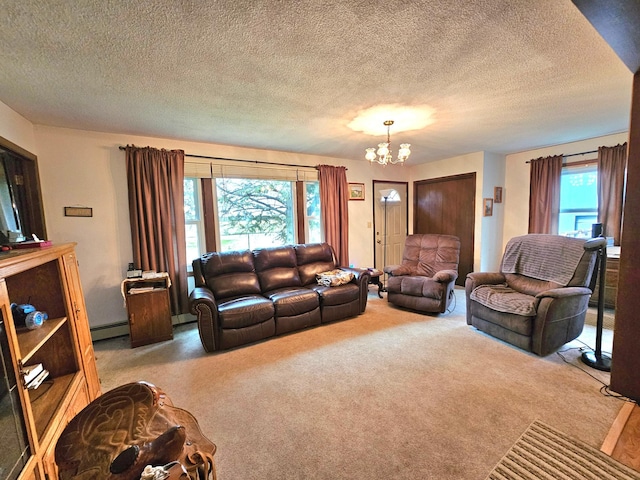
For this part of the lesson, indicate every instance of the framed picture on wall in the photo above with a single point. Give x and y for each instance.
(497, 194)
(487, 207)
(356, 191)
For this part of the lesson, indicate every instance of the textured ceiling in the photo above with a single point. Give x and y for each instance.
(501, 75)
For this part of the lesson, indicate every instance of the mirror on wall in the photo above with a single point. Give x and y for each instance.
(21, 210)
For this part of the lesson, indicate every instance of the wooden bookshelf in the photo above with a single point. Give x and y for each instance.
(48, 279)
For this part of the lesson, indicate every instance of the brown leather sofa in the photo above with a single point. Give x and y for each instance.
(538, 301)
(425, 280)
(242, 297)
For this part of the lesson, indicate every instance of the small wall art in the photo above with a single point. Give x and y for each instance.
(487, 207)
(497, 194)
(78, 212)
(356, 191)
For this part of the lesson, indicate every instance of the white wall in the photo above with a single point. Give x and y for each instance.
(492, 226)
(17, 129)
(88, 169)
(516, 191)
(81, 168)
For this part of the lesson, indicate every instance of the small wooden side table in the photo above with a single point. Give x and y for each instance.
(148, 309)
(375, 279)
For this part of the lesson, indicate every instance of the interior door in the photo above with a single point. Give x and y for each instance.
(446, 205)
(390, 218)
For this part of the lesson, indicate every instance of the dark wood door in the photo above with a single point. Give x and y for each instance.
(446, 205)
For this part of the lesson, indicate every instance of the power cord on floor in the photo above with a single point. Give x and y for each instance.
(604, 390)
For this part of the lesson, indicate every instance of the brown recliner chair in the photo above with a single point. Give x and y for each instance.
(425, 280)
(538, 301)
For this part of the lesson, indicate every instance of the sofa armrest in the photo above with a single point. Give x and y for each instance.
(485, 278)
(358, 273)
(559, 319)
(203, 304)
(397, 270)
(361, 277)
(201, 295)
(445, 276)
(475, 279)
(564, 292)
(389, 269)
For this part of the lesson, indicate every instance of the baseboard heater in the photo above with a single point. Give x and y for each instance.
(121, 329)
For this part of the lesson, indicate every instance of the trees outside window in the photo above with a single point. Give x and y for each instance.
(313, 225)
(194, 230)
(254, 213)
(251, 213)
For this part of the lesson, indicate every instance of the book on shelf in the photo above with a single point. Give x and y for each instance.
(34, 375)
(31, 371)
(36, 382)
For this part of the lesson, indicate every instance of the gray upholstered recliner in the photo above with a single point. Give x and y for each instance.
(425, 279)
(538, 301)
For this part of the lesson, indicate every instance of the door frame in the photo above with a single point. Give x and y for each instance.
(403, 185)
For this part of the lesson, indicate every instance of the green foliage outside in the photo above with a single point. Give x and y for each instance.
(256, 207)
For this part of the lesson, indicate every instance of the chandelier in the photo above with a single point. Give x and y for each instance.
(383, 156)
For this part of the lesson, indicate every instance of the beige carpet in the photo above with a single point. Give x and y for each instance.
(389, 394)
(544, 453)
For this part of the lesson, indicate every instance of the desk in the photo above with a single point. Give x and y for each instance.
(375, 279)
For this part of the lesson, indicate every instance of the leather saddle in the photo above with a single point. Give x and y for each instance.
(128, 428)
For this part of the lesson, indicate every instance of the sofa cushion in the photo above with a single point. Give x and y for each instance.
(341, 295)
(244, 311)
(230, 274)
(234, 284)
(313, 259)
(427, 254)
(276, 268)
(276, 278)
(314, 252)
(415, 286)
(266, 258)
(505, 299)
(293, 301)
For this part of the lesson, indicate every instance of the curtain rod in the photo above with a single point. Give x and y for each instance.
(244, 161)
(573, 154)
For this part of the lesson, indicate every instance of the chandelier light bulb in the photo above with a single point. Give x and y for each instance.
(404, 152)
(371, 154)
(383, 155)
(383, 149)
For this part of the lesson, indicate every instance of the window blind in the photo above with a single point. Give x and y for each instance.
(262, 172)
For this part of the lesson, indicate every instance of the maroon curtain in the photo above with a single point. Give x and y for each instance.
(156, 211)
(334, 200)
(612, 165)
(544, 194)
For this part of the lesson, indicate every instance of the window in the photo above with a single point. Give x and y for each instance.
(313, 227)
(578, 199)
(194, 229)
(252, 213)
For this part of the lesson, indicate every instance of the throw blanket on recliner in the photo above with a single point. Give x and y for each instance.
(544, 257)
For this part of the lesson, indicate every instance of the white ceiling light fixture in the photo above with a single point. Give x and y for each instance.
(383, 155)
